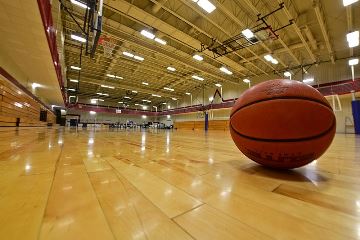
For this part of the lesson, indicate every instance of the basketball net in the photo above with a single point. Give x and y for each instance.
(108, 45)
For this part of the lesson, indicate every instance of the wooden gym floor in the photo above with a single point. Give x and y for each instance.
(67, 184)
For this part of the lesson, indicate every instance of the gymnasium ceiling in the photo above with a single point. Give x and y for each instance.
(317, 35)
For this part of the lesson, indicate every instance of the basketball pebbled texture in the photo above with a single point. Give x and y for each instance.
(282, 124)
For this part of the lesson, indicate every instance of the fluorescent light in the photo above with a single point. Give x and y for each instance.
(71, 89)
(127, 97)
(80, 4)
(120, 102)
(198, 57)
(78, 38)
(155, 95)
(147, 34)
(73, 80)
(353, 39)
(268, 57)
(102, 94)
(161, 41)
(110, 75)
(164, 103)
(134, 91)
(75, 68)
(206, 5)
(198, 78)
(174, 98)
(274, 61)
(171, 69)
(169, 107)
(35, 85)
(218, 85)
(169, 89)
(246, 80)
(106, 86)
(187, 93)
(119, 77)
(353, 62)
(145, 100)
(145, 83)
(93, 101)
(211, 98)
(128, 54)
(308, 80)
(19, 105)
(225, 70)
(136, 104)
(247, 33)
(144, 107)
(139, 58)
(92, 112)
(349, 2)
(287, 74)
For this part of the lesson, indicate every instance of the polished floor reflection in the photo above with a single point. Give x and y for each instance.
(103, 184)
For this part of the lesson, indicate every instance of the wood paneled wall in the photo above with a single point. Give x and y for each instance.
(17, 106)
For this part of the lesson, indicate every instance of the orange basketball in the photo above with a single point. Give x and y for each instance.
(282, 124)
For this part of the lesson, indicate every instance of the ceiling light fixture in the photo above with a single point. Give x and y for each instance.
(198, 78)
(155, 95)
(287, 74)
(92, 112)
(308, 80)
(106, 86)
(174, 99)
(246, 80)
(206, 5)
(169, 89)
(270, 58)
(133, 91)
(225, 70)
(171, 69)
(71, 89)
(80, 4)
(349, 2)
(353, 39)
(120, 102)
(127, 97)
(353, 62)
(139, 58)
(78, 38)
(102, 94)
(110, 75)
(198, 57)
(147, 34)
(218, 85)
(187, 93)
(247, 33)
(145, 83)
(73, 80)
(128, 54)
(75, 68)
(118, 77)
(161, 41)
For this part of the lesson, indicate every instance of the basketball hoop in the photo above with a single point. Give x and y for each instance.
(108, 45)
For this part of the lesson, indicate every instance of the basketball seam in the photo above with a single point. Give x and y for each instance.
(286, 140)
(280, 98)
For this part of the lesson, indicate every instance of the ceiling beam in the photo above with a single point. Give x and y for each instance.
(321, 20)
(297, 29)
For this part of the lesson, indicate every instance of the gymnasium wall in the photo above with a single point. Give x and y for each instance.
(344, 118)
(109, 117)
(19, 108)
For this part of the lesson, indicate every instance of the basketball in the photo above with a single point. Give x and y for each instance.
(282, 124)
